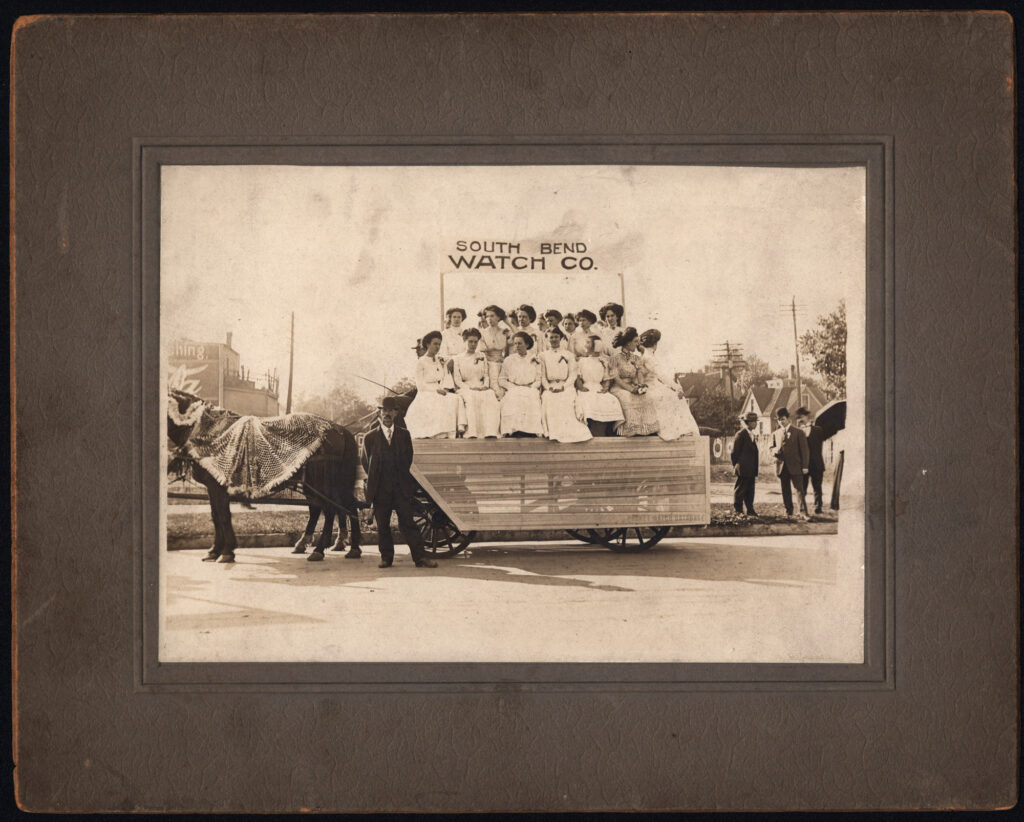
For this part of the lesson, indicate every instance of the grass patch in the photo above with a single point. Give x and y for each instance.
(286, 522)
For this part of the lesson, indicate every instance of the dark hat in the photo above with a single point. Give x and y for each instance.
(802, 412)
(751, 417)
(390, 404)
(782, 412)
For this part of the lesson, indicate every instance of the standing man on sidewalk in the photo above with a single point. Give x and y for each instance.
(387, 458)
(789, 445)
(815, 441)
(744, 465)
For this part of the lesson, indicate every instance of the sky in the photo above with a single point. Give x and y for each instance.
(705, 254)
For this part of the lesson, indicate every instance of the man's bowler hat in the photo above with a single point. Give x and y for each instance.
(751, 417)
(389, 404)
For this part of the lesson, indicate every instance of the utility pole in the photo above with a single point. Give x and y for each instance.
(793, 309)
(291, 365)
(796, 352)
(727, 356)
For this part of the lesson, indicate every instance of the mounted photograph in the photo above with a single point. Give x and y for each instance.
(512, 413)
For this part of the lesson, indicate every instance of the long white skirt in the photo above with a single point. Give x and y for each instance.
(432, 414)
(493, 372)
(674, 416)
(560, 421)
(638, 409)
(520, 411)
(600, 407)
(479, 412)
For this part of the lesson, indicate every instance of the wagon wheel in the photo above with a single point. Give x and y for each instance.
(441, 537)
(633, 540)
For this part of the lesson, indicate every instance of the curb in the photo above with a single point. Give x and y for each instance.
(284, 539)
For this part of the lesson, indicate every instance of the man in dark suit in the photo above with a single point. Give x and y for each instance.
(815, 441)
(793, 456)
(387, 458)
(744, 466)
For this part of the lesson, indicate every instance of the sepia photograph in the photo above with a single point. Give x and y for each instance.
(562, 413)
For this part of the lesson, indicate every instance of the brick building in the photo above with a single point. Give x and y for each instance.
(222, 379)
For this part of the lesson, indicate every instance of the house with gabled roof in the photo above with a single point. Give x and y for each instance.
(696, 384)
(766, 398)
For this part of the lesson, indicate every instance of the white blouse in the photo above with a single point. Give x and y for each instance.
(520, 371)
(429, 374)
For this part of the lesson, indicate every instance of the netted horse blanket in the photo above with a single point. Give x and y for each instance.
(253, 456)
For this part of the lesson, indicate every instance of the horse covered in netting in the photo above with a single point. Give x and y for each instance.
(252, 457)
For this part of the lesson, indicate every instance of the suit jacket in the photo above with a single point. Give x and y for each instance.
(387, 466)
(796, 455)
(815, 441)
(744, 453)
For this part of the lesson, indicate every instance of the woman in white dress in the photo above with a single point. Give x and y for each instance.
(568, 326)
(598, 406)
(435, 411)
(452, 343)
(611, 315)
(478, 408)
(526, 314)
(674, 416)
(520, 381)
(494, 342)
(629, 385)
(584, 330)
(552, 319)
(558, 378)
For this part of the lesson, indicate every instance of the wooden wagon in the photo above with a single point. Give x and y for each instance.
(623, 493)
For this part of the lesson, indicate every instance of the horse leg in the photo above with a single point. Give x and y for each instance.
(224, 543)
(339, 543)
(354, 552)
(218, 532)
(222, 506)
(214, 492)
(307, 538)
(326, 536)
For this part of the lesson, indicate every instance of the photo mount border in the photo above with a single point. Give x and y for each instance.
(875, 153)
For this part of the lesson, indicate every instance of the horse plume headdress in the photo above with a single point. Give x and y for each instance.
(180, 385)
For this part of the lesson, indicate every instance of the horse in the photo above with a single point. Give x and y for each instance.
(327, 476)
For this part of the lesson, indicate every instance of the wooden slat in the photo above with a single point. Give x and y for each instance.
(523, 483)
(459, 495)
(639, 446)
(528, 522)
(629, 475)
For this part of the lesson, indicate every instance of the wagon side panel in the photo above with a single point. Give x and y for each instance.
(526, 484)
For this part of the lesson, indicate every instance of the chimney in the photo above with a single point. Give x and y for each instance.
(792, 368)
(229, 339)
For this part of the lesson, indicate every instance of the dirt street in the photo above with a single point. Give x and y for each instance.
(770, 599)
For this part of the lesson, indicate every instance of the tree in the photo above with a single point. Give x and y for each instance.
(826, 346)
(341, 404)
(757, 371)
(405, 390)
(715, 409)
